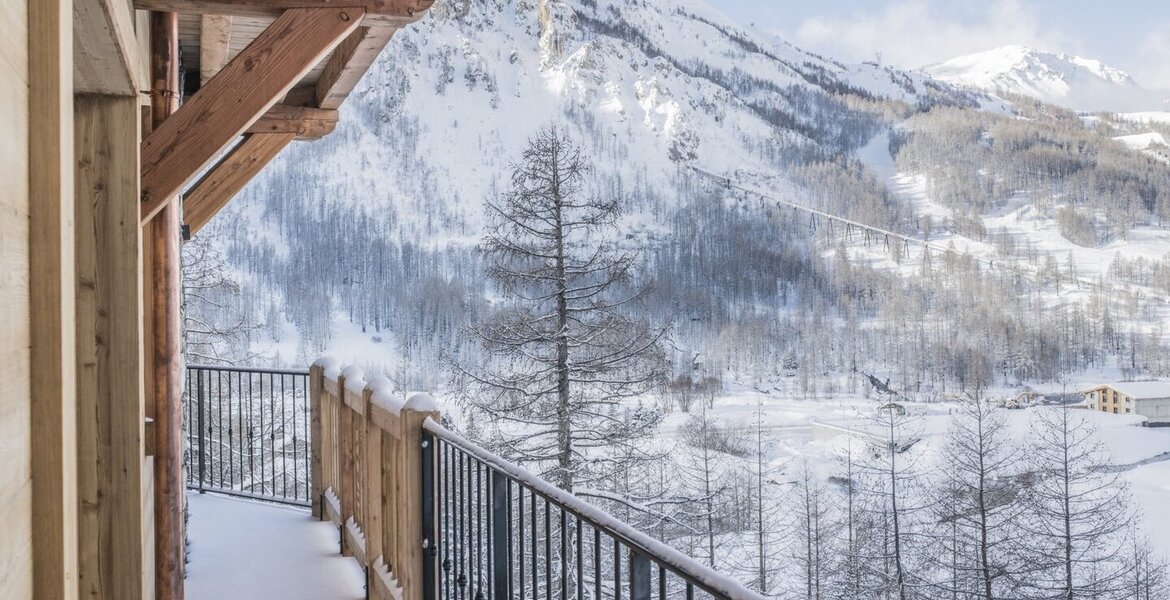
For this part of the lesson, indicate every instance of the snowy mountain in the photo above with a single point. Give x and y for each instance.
(1063, 79)
(338, 250)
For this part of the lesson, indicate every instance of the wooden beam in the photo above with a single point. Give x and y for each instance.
(109, 323)
(306, 122)
(381, 12)
(104, 48)
(163, 330)
(347, 65)
(215, 38)
(52, 325)
(220, 184)
(182, 146)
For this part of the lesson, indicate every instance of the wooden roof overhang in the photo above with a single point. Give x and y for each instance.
(260, 74)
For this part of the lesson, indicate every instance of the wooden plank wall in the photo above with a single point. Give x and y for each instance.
(15, 477)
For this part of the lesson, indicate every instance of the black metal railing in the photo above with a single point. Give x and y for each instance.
(248, 432)
(499, 532)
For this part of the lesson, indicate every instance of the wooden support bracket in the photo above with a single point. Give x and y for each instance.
(237, 97)
(227, 178)
(306, 122)
(347, 65)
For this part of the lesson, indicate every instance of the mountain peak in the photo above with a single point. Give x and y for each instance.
(1072, 81)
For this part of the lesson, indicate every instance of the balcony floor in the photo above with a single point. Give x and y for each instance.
(246, 550)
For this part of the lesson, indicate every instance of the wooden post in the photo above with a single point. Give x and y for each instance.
(50, 303)
(409, 571)
(109, 322)
(372, 525)
(164, 330)
(316, 472)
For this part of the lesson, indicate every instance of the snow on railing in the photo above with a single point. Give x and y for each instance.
(431, 515)
(618, 561)
(367, 464)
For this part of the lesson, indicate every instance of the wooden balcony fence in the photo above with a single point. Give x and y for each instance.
(367, 477)
(428, 514)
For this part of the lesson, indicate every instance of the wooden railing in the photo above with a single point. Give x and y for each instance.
(367, 475)
(432, 516)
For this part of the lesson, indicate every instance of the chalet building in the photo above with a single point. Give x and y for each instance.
(1150, 399)
(107, 163)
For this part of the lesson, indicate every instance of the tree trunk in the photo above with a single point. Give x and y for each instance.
(564, 426)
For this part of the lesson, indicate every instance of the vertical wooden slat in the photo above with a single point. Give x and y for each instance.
(390, 515)
(316, 437)
(51, 297)
(164, 330)
(109, 384)
(373, 468)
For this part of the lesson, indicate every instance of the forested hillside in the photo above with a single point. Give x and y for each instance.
(1034, 240)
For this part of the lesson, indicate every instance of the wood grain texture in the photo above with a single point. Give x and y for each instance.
(223, 181)
(105, 50)
(214, 45)
(51, 294)
(345, 458)
(178, 149)
(316, 465)
(163, 330)
(109, 320)
(375, 493)
(349, 62)
(306, 122)
(15, 417)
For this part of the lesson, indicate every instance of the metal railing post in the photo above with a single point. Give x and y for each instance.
(202, 431)
(501, 536)
(430, 551)
(639, 576)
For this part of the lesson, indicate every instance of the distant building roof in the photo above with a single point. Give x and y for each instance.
(1138, 389)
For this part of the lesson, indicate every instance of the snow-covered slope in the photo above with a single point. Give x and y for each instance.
(343, 239)
(1063, 79)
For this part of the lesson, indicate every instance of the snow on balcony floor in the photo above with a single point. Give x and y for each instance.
(247, 550)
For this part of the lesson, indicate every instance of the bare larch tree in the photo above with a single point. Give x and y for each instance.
(1078, 511)
(978, 503)
(562, 360)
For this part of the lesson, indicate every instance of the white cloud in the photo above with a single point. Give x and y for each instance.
(1155, 69)
(912, 33)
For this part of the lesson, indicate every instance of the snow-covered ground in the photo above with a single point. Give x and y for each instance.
(248, 550)
(1142, 454)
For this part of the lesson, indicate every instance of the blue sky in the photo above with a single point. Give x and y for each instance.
(1133, 35)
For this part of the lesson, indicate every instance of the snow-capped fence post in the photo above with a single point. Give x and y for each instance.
(374, 477)
(417, 520)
